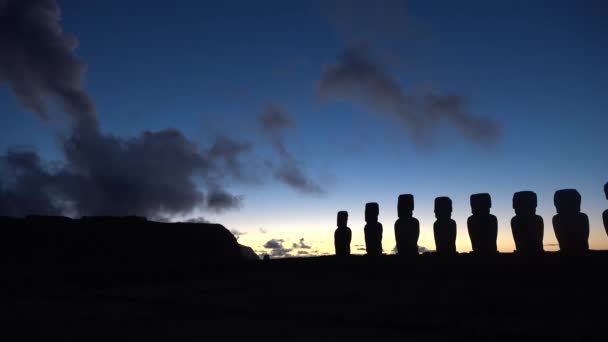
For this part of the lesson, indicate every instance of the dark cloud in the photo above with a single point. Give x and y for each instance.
(228, 152)
(357, 78)
(421, 249)
(274, 243)
(25, 185)
(301, 245)
(37, 60)
(276, 248)
(156, 174)
(291, 173)
(218, 200)
(361, 249)
(274, 121)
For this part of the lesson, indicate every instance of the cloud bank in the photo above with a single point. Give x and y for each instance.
(154, 174)
(359, 79)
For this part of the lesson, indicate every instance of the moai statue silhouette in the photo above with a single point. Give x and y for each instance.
(482, 226)
(570, 225)
(373, 230)
(444, 227)
(342, 235)
(407, 228)
(527, 227)
(605, 215)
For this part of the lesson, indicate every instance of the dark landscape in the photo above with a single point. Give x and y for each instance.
(56, 294)
(272, 170)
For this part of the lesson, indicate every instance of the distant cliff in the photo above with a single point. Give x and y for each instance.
(114, 241)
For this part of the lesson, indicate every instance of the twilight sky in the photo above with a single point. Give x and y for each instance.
(271, 116)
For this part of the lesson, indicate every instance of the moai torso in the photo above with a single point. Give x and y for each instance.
(342, 235)
(526, 226)
(407, 228)
(570, 225)
(342, 238)
(444, 229)
(605, 215)
(482, 226)
(528, 232)
(373, 230)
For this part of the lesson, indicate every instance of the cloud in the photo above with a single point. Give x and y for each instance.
(277, 249)
(274, 243)
(301, 245)
(359, 79)
(421, 250)
(263, 230)
(237, 234)
(155, 174)
(25, 185)
(37, 61)
(273, 122)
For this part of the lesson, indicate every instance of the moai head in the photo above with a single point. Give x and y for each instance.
(606, 190)
(405, 206)
(567, 201)
(372, 210)
(481, 204)
(443, 207)
(524, 203)
(342, 219)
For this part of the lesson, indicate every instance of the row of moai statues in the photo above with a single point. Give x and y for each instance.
(571, 226)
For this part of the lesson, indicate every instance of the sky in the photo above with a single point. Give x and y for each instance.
(269, 117)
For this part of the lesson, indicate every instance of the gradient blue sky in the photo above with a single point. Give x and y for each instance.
(206, 68)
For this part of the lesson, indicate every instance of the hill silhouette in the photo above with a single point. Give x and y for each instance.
(118, 242)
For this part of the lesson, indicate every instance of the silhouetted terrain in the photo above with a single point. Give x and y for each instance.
(427, 297)
(113, 243)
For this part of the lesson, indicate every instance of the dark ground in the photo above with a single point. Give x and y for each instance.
(425, 298)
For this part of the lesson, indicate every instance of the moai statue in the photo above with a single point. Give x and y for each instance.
(482, 226)
(373, 230)
(527, 227)
(605, 215)
(342, 235)
(407, 227)
(570, 225)
(444, 227)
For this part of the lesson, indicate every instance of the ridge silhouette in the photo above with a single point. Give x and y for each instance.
(605, 214)
(373, 230)
(407, 227)
(570, 225)
(115, 242)
(482, 226)
(526, 226)
(444, 228)
(342, 235)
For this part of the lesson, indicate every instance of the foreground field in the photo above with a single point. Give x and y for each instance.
(427, 297)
